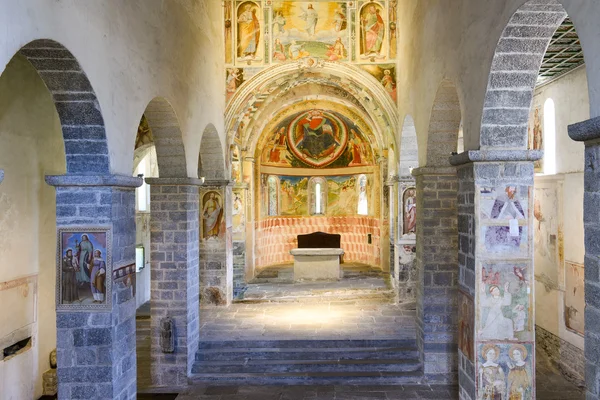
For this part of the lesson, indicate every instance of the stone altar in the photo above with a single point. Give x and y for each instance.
(317, 263)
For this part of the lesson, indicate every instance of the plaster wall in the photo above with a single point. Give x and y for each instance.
(132, 52)
(457, 42)
(31, 146)
(558, 232)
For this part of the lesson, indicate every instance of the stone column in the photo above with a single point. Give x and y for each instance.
(589, 133)
(96, 348)
(496, 304)
(405, 249)
(174, 302)
(437, 269)
(392, 185)
(250, 173)
(216, 253)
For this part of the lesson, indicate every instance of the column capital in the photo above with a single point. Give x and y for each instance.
(433, 171)
(471, 156)
(219, 182)
(124, 181)
(250, 159)
(585, 131)
(175, 181)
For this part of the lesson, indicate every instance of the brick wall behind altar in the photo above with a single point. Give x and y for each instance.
(275, 237)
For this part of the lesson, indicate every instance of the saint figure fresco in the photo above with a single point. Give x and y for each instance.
(311, 16)
(248, 31)
(410, 211)
(519, 379)
(212, 214)
(496, 325)
(98, 277)
(70, 288)
(492, 384)
(372, 31)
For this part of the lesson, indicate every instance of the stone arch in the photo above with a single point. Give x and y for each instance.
(83, 129)
(409, 147)
(444, 124)
(167, 137)
(211, 164)
(515, 66)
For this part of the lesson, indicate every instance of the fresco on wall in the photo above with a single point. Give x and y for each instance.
(503, 217)
(83, 268)
(504, 372)
(316, 139)
(248, 31)
(236, 163)
(536, 135)
(238, 215)
(213, 223)
(294, 195)
(545, 231)
(372, 32)
(409, 201)
(309, 29)
(393, 28)
(504, 303)
(342, 195)
(574, 296)
(386, 75)
(144, 134)
(465, 325)
(228, 23)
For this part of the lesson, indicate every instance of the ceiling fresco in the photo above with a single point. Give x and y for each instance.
(315, 138)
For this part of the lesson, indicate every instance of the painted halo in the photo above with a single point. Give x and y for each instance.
(488, 347)
(317, 137)
(519, 347)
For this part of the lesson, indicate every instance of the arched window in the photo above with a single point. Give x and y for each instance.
(318, 195)
(549, 137)
(363, 205)
(146, 168)
(273, 195)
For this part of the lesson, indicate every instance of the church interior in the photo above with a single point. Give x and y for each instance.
(300, 199)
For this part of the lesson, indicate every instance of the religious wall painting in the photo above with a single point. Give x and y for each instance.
(236, 163)
(545, 230)
(273, 196)
(228, 23)
(505, 371)
(144, 134)
(238, 214)
(84, 269)
(294, 195)
(393, 13)
(386, 75)
(574, 296)
(249, 43)
(466, 310)
(505, 311)
(234, 78)
(316, 139)
(372, 26)
(409, 211)
(342, 196)
(212, 216)
(503, 217)
(310, 29)
(536, 135)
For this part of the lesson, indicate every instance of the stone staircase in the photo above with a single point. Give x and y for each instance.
(307, 362)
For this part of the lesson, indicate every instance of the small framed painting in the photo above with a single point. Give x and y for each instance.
(84, 279)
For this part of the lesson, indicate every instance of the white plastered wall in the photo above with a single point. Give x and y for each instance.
(31, 146)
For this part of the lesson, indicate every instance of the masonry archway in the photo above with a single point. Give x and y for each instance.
(81, 205)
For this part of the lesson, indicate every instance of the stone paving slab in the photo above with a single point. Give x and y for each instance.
(307, 320)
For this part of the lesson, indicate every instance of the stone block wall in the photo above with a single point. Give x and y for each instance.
(96, 350)
(175, 285)
(437, 269)
(275, 237)
(568, 359)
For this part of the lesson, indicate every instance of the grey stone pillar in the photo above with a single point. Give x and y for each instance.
(589, 132)
(96, 349)
(495, 301)
(437, 269)
(174, 302)
(216, 253)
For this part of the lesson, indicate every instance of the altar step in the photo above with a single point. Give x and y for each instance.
(375, 290)
(308, 362)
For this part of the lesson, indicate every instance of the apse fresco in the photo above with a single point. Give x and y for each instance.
(343, 195)
(536, 135)
(316, 139)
